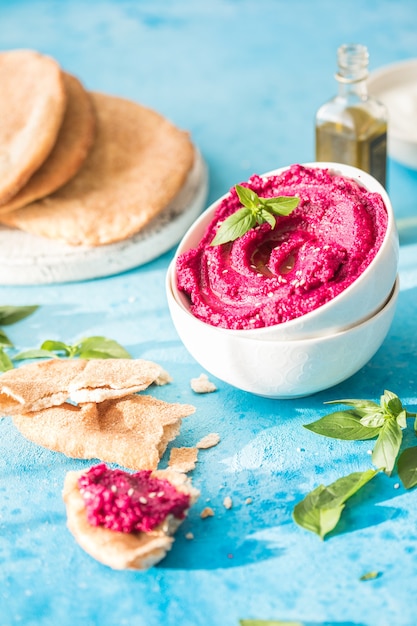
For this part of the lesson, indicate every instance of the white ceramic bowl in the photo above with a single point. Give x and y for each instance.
(356, 303)
(280, 369)
(396, 86)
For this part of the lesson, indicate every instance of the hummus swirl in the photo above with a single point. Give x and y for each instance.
(270, 276)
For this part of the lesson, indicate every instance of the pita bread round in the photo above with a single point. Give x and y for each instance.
(74, 140)
(138, 163)
(32, 107)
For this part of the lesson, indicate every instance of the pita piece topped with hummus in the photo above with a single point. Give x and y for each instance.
(50, 383)
(137, 165)
(74, 140)
(121, 550)
(32, 106)
(132, 431)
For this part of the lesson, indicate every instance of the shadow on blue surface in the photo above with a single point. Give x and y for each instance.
(363, 512)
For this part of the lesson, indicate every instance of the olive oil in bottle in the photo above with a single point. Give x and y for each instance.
(351, 128)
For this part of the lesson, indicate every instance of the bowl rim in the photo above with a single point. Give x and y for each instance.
(360, 176)
(389, 302)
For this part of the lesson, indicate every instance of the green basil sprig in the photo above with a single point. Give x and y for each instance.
(370, 575)
(368, 420)
(256, 210)
(268, 622)
(321, 509)
(407, 467)
(10, 315)
(87, 348)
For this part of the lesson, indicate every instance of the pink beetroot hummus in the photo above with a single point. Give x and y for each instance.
(129, 502)
(269, 276)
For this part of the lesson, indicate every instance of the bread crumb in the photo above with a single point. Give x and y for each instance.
(207, 512)
(248, 501)
(208, 441)
(163, 379)
(189, 536)
(183, 459)
(227, 502)
(202, 384)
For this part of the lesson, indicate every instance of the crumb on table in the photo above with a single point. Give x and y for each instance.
(207, 512)
(209, 441)
(202, 384)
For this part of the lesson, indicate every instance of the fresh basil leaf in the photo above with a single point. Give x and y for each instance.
(344, 488)
(342, 425)
(36, 353)
(234, 226)
(268, 622)
(5, 362)
(370, 576)
(282, 205)
(402, 419)
(309, 514)
(387, 446)
(13, 314)
(321, 509)
(100, 348)
(56, 346)
(407, 467)
(247, 197)
(264, 216)
(357, 404)
(373, 420)
(4, 340)
(391, 403)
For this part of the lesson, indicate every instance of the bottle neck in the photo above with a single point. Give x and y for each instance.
(352, 88)
(352, 71)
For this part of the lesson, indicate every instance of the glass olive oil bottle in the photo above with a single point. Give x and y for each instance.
(351, 128)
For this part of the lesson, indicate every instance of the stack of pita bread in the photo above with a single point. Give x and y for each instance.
(91, 409)
(81, 167)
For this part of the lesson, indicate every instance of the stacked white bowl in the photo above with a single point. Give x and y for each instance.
(309, 353)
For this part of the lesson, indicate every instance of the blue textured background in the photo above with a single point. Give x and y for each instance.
(245, 78)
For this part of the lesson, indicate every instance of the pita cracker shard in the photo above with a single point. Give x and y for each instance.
(183, 459)
(132, 431)
(119, 550)
(49, 383)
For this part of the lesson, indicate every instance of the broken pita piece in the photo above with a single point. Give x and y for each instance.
(49, 383)
(132, 431)
(119, 550)
(209, 441)
(183, 459)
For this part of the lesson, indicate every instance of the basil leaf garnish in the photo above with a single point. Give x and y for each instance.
(13, 314)
(256, 210)
(407, 467)
(4, 340)
(5, 362)
(321, 509)
(234, 226)
(387, 446)
(268, 622)
(100, 347)
(34, 354)
(343, 425)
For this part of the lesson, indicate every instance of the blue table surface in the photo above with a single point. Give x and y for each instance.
(245, 77)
